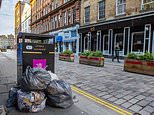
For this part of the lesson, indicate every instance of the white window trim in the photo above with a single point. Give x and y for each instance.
(117, 9)
(149, 42)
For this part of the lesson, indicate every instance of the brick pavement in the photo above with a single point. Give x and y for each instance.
(131, 91)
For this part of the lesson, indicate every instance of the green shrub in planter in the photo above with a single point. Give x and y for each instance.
(86, 53)
(68, 52)
(132, 56)
(92, 53)
(147, 56)
(98, 54)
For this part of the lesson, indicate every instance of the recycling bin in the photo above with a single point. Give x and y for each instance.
(35, 50)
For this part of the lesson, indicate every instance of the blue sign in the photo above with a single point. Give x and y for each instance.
(59, 39)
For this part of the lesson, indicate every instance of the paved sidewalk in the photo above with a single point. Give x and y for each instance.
(83, 106)
(131, 91)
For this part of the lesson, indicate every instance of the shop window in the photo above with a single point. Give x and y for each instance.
(119, 41)
(106, 44)
(120, 7)
(87, 14)
(137, 42)
(101, 9)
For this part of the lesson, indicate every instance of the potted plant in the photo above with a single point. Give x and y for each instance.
(143, 64)
(67, 56)
(92, 58)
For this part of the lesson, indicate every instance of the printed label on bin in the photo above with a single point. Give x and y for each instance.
(39, 63)
(28, 47)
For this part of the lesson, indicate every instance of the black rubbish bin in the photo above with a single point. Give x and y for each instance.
(34, 50)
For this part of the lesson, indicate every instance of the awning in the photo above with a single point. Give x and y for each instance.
(59, 39)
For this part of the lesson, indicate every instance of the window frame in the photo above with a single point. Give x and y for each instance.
(85, 15)
(117, 6)
(142, 4)
(99, 10)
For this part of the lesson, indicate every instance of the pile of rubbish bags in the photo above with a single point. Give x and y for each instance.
(37, 88)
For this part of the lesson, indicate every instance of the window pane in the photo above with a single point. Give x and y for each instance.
(138, 42)
(121, 6)
(87, 14)
(101, 9)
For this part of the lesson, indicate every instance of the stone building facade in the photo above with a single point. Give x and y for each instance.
(7, 41)
(26, 18)
(105, 24)
(60, 18)
(18, 13)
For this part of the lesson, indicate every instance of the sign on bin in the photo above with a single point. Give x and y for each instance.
(39, 63)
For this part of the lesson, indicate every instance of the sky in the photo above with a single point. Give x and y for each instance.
(7, 17)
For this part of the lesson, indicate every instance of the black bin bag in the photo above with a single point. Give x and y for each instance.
(35, 79)
(59, 94)
(12, 100)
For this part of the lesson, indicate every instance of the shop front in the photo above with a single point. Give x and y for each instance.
(67, 39)
(131, 34)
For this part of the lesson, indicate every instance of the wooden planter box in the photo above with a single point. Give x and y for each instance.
(94, 61)
(66, 57)
(139, 66)
(3, 50)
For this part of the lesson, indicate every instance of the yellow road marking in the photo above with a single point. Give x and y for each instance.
(27, 52)
(51, 52)
(100, 101)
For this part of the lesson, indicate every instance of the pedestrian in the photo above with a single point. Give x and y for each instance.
(117, 49)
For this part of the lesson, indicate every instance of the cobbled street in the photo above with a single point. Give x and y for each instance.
(131, 91)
